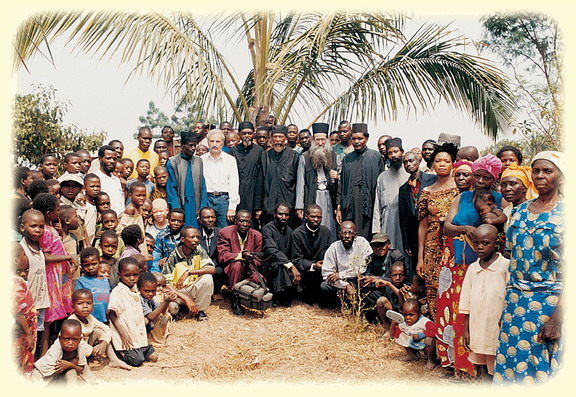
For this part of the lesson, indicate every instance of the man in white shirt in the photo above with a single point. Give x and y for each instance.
(343, 262)
(221, 175)
(108, 181)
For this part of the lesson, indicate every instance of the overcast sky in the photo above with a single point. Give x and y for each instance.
(101, 98)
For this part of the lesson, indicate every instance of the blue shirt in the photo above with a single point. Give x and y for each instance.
(164, 243)
(100, 288)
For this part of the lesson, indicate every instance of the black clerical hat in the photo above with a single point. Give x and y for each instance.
(360, 127)
(320, 128)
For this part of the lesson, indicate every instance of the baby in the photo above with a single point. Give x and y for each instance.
(485, 204)
(415, 334)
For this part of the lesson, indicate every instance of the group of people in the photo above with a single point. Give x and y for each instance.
(457, 256)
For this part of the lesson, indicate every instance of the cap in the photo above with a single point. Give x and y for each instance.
(67, 177)
(360, 127)
(320, 128)
(380, 238)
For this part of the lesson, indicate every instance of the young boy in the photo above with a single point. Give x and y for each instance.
(90, 261)
(392, 298)
(133, 237)
(128, 168)
(66, 358)
(109, 251)
(156, 314)
(96, 334)
(69, 221)
(104, 271)
(163, 157)
(150, 243)
(127, 320)
(146, 212)
(92, 188)
(160, 178)
(72, 163)
(482, 299)
(416, 333)
(159, 217)
(143, 171)
(49, 166)
(32, 228)
(132, 215)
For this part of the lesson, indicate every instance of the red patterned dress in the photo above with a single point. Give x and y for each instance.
(24, 305)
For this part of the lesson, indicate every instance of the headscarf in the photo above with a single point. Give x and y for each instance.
(557, 158)
(524, 173)
(489, 163)
(465, 164)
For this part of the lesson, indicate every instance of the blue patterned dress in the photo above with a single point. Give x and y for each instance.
(535, 285)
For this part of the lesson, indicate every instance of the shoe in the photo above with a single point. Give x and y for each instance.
(237, 309)
(201, 316)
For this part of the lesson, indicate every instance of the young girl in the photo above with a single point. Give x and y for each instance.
(482, 299)
(416, 333)
(25, 314)
(127, 320)
(100, 288)
(59, 265)
(95, 333)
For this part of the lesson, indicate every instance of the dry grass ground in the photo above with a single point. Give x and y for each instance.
(296, 344)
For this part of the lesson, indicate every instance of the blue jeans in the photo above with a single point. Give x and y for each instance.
(220, 206)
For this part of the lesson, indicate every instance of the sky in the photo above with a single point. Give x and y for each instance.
(102, 98)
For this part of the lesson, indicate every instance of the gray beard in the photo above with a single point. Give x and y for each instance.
(320, 157)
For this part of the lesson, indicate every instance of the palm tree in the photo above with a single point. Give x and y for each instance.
(343, 65)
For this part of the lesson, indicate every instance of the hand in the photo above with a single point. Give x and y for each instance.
(339, 216)
(170, 296)
(62, 365)
(317, 265)
(350, 290)
(551, 330)
(467, 339)
(126, 341)
(161, 262)
(332, 278)
(469, 231)
(230, 215)
(296, 275)
(333, 174)
(73, 265)
(380, 283)
(257, 214)
(300, 214)
(420, 268)
(100, 349)
(182, 279)
(248, 254)
(98, 233)
(408, 251)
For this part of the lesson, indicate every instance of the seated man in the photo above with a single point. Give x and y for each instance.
(208, 239)
(236, 247)
(309, 244)
(189, 269)
(344, 262)
(167, 239)
(278, 269)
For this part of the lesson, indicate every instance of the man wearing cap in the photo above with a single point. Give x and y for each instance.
(250, 171)
(283, 176)
(186, 187)
(357, 187)
(386, 215)
(321, 176)
(408, 195)
(142, 151)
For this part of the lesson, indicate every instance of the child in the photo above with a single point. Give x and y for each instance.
(53, 187)
(104, 271)
(132, 236)
(132, 215)
(119, 173)
(69, 221)
(160, 178)
(128, 168)
(159, 216)
(96, 334)
(485, 204)
(66, 358)
(32, 228)
(92, 188)
(391, 299)
(109, 249)
(100, 288)
(38, 186)
(127, 320)
(232, 139)
(416, 290)
(143, 171)
(109, 222)
(482, 299)
(25, 314)
(49, 166)
(150, 244)
(201, 149)
(142, 263)
(72, 163)
(19, 206)
(22, 179)
(163, 157)
(146, 212)
(59, 264)
(156, 316)
(102, 202)
(416, 333)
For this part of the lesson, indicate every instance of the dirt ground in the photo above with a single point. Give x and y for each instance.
(300, 343)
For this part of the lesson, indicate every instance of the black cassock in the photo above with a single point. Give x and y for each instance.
(250, 175)
(360, 171)
(276, 242)
(280, 178)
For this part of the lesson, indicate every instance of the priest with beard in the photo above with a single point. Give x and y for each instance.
(360, 170)
(386, 210)
(321, 177)
(250, 172)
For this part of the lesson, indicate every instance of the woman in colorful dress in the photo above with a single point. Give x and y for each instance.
(530, 346)
(516, 186)
(433, 206)
(458, 253)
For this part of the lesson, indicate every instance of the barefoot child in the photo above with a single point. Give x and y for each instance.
(25, 314)
(132, 213)
(100, 288)
(392, 298)
(156, 313)
(132, 237)
(66, 358)
(127, 320)
(32, 228)
(416, 333)
(482, 299)
(95, 333)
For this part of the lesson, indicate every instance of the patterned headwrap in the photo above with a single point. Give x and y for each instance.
(465, 164)
(524, 173)
(557, 158)
(489, 163)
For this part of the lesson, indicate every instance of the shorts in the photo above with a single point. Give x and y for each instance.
(483, 359)
(41, 316)
(135, 357)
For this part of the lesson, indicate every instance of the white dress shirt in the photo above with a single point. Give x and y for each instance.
(112, 186)
(347, 263)
(221, 175)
